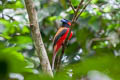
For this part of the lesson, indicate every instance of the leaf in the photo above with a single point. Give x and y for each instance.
(11, 58)
(21, 39)
(75, 2)
(94, 1)
(106, 63)
(107, 8)
(82, 39)
(14, 4)
(25, 29)
(10, 27)
(84, 15)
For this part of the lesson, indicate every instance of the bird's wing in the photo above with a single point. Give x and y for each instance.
(59, 34)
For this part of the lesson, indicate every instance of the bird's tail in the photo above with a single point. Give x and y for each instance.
(53, 60)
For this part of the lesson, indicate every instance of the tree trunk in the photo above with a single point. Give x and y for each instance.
(36, 36)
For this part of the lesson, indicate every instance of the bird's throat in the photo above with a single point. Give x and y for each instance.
(66, 25)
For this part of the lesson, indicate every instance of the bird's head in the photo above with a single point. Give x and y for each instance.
(66, 23)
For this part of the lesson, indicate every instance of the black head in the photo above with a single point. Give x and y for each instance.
(66, 23)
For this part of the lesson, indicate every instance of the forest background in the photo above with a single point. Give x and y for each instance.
(93, 52)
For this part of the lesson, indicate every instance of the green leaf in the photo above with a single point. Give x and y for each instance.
(75, 2)
(107, 8)
(105, 63)
(97, 11)
(94, 1)
(18, 4)
(21, 39)
(84, 15)
(25, 30)
(5, 36)
(11, 58)
(14, 4)
(82, 39)
(10, 27)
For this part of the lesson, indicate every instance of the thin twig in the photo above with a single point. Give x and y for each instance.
(82, 10)
(97, 39)
(80, 4)
(10, 17)
(77, 10)
(70, 4)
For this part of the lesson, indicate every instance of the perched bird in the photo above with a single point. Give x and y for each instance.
(60, 37)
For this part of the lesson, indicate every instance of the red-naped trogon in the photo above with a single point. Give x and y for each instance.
(60, 37)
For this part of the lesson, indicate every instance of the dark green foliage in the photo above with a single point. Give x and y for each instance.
(87, 51)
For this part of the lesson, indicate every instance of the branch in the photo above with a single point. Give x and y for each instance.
(11, 17)
(36, 36)
(82, 9)
(76, 12)
(96, 39)
(70, 4)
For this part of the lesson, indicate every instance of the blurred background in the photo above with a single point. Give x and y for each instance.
(93, 53)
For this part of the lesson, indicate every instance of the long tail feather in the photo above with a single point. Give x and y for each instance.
(53, 60)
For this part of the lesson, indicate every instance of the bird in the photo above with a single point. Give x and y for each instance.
(60, 37)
